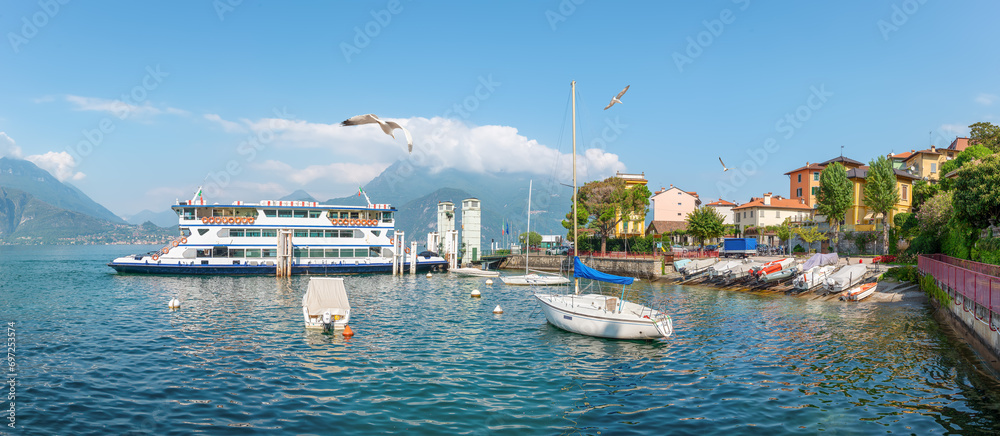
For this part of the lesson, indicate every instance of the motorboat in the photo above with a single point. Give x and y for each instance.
(325, 305)
(697, 267)
(846, 277)
(778, 275)
(678, 264)
(859, 292)
(721, 267)
(813, 277)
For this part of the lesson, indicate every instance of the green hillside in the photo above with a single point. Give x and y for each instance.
(25, 176)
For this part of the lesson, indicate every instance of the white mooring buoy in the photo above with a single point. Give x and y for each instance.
(174, 303)
(489, 281)
(497, 309)
(429, 275)
(475, 293)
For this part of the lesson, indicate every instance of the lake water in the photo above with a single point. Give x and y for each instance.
(100, 353)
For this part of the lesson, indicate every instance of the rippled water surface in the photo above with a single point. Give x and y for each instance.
(100, 353)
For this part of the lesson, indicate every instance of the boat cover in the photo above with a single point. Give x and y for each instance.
(820, 259)
(581, 270)
(325, 294)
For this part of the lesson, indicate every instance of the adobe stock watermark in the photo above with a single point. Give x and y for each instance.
(900, 15)
(30, 27)
(121, 109)
(757, 157)
(216, 182)
(363, 35)
(562, 12)
(713, 30)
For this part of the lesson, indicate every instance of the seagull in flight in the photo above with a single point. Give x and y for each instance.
(617, 98)
(387, 126)
(724, 167)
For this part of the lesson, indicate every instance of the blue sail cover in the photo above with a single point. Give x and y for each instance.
(581, 270)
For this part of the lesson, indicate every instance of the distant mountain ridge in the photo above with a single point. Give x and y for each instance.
(25, 176)
(298, 195)
(167, 218)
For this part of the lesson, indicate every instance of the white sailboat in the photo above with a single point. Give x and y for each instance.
(533, 277)
(474, 272)
(602, 316)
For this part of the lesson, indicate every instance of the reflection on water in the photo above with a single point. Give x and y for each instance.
(100, 353)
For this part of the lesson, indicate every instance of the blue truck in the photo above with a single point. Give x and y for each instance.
(738, 247)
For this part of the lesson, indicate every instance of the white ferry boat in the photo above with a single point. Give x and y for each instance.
(243, 239)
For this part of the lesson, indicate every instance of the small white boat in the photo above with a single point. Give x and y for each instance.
(740, 271)
(604, 316)
(846, 277)
(697, 267)
(721, 267)
(859, 292)
(325, 305)
(535, 279)
(813, 277)
(778, 275)
(678, 264)
(474, 272)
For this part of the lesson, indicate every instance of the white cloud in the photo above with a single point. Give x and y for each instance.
(439, 143)
(986, 99)
(61, 165)
(229, 126)
(338, 172)
(8, 147)
(955, 129)
(119, 108)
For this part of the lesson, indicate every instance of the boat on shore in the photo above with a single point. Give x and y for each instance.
(778, 275)
(845, 278)
(678, 264)
(859, 292)
(815, 276)
(697, 267)
(720, 268)
(740, 272)
(251, 238)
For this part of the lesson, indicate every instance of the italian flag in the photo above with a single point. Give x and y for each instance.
(197, 195)
(360, 191)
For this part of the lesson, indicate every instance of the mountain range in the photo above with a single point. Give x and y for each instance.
(36, 208)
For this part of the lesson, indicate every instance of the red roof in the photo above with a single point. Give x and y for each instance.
(721, 202)
(902, 156)
(959, 144)
(776, 203)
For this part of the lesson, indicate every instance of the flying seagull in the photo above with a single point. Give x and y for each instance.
(617, 98)
(387, 126)
(724, 167)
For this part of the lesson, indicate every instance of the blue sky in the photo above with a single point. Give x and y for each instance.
(245, 97)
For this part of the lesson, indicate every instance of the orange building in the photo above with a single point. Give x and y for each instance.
(803, 183)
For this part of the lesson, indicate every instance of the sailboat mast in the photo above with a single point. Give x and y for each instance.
(527, 236)
(576, 242)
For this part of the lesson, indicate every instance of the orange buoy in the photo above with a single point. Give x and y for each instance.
(347, 331)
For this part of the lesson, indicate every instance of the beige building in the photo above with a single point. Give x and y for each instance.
(724, 208)
(770, 210)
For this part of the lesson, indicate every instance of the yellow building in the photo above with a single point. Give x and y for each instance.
(859, 217)
(635, 225)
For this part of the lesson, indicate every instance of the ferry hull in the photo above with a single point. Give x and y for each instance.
(250, 270)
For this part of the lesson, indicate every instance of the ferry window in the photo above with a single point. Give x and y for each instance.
(269, 233)
(205, 253)
(301, 233)
(299, 252)
(189, 214)
(316, 252)
(315, 233)
(235, 252)
(252, 233)
(354, 215)
(386, 217)
(376, 232)
(374, 251)
(386, 252)
(332, 252)
(360, 252)
(253, 252)
(269, 252)
(185, 232)
(390, 232)
(345, 215)
(236, 233)
(223, 233)
(284, 213)
(358, 234)
(299, 213)
(202, 231)
(332, 233)
(347, 233)
(270, 213)
(314, 214)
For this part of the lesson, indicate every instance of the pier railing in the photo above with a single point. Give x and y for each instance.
(974, 281)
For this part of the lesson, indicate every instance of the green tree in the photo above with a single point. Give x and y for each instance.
(976, 201)
(533, 238)
(881, 195)
(705, 223)
(974, 152)
(835, 196)
(608, 202)
(809, 234)
(924, 190)
(784, 231)
(581, 220)
(986, 134)
(906, 224)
